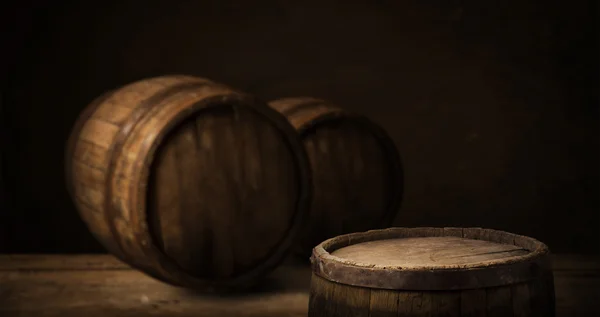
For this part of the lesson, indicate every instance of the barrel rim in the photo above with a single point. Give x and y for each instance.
(392, 152)
(282, 248)
(452, 277)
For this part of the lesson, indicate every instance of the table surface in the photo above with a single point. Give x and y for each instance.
(100, 285)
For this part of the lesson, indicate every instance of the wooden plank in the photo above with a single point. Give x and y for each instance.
(101, 285)
(577, 292)
(62, 262)
(473, 302)
(498, 301)
(91, 287)
(577, 284)
(383, 303)
(520, 299)
(562, 262)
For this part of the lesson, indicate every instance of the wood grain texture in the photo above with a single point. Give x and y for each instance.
(428, 251)
(529, 299)
(433, 272)
(357, 174)
(453, 275)
(101, 285)
(189, 181)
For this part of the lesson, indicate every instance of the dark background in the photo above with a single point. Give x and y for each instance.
(493, 104)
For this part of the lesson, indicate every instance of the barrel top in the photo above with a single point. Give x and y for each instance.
(432, 252)
(430, 258)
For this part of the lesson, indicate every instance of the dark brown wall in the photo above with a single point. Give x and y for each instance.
(493, 104)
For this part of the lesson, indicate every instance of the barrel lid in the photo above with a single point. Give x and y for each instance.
(356, 154)
(424, 259)
(393, 159)
(235, 276)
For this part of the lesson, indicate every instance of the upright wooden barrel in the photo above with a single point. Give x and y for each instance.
(431, 272)
(357, 174)
(192, 182)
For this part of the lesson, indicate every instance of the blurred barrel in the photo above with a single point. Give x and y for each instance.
(432, 272)
(357, 174)
(191, 182)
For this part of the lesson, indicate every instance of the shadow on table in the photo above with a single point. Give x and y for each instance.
(291, 277)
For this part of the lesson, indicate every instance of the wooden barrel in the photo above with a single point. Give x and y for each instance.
(431, 272)
(192, 182)
(357, 174)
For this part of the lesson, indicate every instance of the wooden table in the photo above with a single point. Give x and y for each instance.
(100, 285)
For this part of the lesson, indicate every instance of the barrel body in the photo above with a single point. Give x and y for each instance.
(357, 174)
(432, 272)
(190, 181)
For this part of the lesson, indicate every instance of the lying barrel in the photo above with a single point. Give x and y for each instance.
(357, 174)
(191, 182)
(431, 272)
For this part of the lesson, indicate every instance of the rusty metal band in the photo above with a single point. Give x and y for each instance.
(112, 212)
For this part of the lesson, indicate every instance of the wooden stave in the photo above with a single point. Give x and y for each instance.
(110, 240)
(530, 299)
(69, 154)
(293, 107)
(471, 276)
(159, 266)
